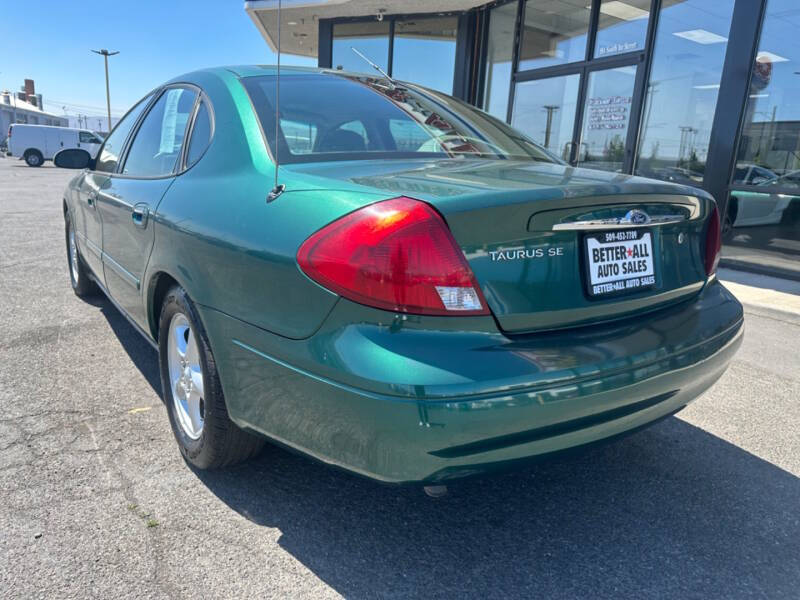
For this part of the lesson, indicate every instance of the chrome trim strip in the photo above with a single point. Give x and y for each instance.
(90, 245)
(126, 275)
(618, 223)
(106, 293)
(128, 318)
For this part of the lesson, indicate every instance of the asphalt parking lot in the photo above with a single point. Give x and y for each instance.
(96, 501)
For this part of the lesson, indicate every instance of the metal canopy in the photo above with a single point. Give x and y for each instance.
(300, 18)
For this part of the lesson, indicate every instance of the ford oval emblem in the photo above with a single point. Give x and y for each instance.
(636, 217)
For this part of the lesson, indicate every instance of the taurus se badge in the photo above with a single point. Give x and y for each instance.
(521, 253)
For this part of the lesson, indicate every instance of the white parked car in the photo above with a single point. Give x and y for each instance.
(38, 143)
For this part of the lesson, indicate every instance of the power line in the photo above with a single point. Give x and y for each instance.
(77, 105)
(70, 112)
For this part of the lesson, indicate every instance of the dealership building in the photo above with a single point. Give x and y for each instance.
(699, 92)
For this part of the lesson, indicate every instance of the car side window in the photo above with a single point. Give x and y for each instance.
(299, 136)
(86, 138)
(409, 136)
(356, 127)
(347, 137)
(112, 148)
(157, 144)
(201, 134)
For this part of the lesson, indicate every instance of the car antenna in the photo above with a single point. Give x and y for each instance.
(374, 66)
(279, 187)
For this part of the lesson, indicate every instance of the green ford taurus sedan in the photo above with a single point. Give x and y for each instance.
(426, 293)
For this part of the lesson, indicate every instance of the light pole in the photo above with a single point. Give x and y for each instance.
(106, 54)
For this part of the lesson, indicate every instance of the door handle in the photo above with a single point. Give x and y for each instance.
(91, 199)
(139, 215)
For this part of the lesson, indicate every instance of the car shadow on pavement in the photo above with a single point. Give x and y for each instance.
(671, 511)
(139, 351)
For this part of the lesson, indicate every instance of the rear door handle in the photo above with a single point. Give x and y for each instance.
(139, 214)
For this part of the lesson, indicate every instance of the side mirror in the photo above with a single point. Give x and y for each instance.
(72, 158)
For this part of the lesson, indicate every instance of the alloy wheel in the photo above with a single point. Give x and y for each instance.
(186, 376)
(73, 256)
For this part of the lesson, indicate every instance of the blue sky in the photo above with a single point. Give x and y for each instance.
(49, 42)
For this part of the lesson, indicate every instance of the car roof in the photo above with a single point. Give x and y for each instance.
(243, 71)
(255, 70)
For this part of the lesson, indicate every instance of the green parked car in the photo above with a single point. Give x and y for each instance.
(427, 294)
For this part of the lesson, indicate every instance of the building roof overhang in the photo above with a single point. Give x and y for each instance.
(300, 18)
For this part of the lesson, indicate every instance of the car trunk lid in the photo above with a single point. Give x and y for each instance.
(526, 230)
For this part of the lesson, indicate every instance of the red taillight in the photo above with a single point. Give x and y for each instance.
(713, 242)
(396, 255)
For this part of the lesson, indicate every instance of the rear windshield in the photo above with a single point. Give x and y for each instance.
(325, 117)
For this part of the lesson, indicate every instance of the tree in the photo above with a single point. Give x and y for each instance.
(695, 164)
(615, 150)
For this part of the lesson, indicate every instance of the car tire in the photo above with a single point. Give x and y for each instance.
(192, 392)
(82, 283)
(730, 219)
(791, 216)
(34, 158)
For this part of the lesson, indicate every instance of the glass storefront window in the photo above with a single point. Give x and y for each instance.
(370, 38)
(622, 27)
(425, 52)
(763, 229)
(545, 109)
(681, 97)
(762, 222)
(499, 54)
(771, 131)
(606, 117)
(554, 33)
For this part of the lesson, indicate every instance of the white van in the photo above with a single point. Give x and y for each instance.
(38, 143)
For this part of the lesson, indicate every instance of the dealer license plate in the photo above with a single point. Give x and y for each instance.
(619, 262)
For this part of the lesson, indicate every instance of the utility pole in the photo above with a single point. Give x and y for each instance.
(549, 126)
(105, 53)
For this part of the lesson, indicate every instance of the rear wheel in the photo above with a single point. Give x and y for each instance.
(82, 284)
(206, 436)
(34, 158)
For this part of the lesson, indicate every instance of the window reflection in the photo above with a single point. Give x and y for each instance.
(425, 52)
(622, 27)
(763, 229)
(499, 53)
(762, 224)
(370, 38)
(770, 142)
(554, 33)
(606, 118)
(544, 109)
(681, 96)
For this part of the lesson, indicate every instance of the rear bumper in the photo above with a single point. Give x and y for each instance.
(405, 404)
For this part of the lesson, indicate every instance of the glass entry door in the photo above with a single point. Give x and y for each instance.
(606, 118)
(583, 116)
(545, 110)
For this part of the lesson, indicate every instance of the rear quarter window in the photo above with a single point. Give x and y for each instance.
(201, 134)
(300, 135)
